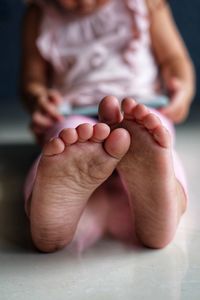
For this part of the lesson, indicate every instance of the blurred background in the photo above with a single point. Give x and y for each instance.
(11, 12)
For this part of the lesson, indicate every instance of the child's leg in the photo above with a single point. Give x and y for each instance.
(150, 171)
(70, 169)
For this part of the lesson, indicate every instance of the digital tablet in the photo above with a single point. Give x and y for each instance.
(154, 102)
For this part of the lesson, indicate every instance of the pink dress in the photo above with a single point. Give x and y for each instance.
(107, 52)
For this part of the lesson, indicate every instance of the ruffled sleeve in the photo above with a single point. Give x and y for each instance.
(138, 6)
(140, 13)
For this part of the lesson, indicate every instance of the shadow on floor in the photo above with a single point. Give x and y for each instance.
(15, 160)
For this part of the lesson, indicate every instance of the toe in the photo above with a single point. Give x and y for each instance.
(69, 136)
(100, 132)
(151, 121)
(109, 110)
(54, 147)
(85, 132)
(139, 112)
(118, 143)
(162, 136)
(128, 104)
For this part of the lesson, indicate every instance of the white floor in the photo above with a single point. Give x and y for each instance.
(109, 270)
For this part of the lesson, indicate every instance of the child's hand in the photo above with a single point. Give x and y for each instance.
(45, 111)
(180, 101)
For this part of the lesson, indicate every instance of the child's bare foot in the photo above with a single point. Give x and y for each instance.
(156, 197)
(72, 166)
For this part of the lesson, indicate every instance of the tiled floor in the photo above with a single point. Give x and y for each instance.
(109, 270)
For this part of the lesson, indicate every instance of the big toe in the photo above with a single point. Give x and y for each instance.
(118, 143)
(109, 110)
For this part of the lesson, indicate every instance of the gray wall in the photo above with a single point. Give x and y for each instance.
(11, 12)
(186, 14)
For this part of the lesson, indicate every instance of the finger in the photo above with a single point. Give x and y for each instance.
(50, 109)
(38, 133)
(55, 96)
(41, 120)
(174, 84)
(170, 109)
(181, 115)
(176, 102)
(37, 129)
(177, 115)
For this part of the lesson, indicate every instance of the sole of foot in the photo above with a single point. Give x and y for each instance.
(71, 167)
(156, 197)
